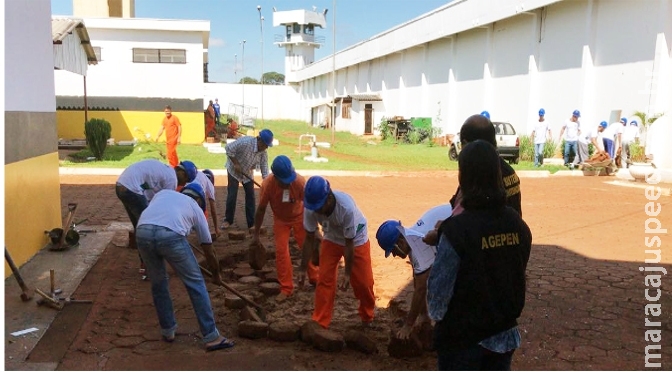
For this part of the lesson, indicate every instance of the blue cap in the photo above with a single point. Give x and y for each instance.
(603, 124)
(624, 120)
(195, 191)
(211, 176)
(316, 193)
(542, 112)
(190, 168)
(486, 114)
(576, 113)
(387, 235)
(283, 170)
(634, 122)
(266, 136)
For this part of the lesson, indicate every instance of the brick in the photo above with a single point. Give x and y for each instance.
(271, 277)
(233, 302)
(284, 331)
(249, 313)
(252, 330)
(426, 336)
(270, 288)
(327, 340)
(361, 342)
(308, 331)
(256, 255)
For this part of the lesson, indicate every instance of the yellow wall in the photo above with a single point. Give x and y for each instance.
(32, 205)
(127, 125)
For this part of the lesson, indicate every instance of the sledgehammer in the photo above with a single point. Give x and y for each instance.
(26, 294)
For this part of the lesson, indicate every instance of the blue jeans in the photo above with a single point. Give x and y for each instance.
(609, 146)
(158, 243)
(538, 154)
(569, 145)
(133, 203)
(232, 195)
(475, 358)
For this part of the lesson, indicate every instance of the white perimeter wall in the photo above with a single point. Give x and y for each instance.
(595, 56)
(29, 85)
(117, 76)
(280, 101)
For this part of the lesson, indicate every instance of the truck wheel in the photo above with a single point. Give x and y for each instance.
(452, 153)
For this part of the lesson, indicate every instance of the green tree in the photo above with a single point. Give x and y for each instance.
(274, 78)
(248, 80)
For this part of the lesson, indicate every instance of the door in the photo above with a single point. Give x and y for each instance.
(368, 119)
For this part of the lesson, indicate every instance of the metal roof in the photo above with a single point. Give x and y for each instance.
(62, 27)
(366, 97)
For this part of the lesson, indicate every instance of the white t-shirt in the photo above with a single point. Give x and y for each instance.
(177, 212)
(587, 134)
(571, 130)
(540, 132)
(630, 133)
(346, 221)
(204, 182)
(148, 177)
(612, 130)
(422, 255)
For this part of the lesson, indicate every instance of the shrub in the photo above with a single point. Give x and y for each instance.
(526, 148)
(637, 153)
(384, 129)
(414, 136)
(97, 132)
(550, 148)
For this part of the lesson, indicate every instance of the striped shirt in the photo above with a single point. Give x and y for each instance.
(246, 152)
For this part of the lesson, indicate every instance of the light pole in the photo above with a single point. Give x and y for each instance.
(243, 74)
(333, 77)
(261, 26)
(235, 68)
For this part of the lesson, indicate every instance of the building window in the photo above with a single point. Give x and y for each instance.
(309, 30)
(346, 105)
(96, 50)
(141, 55)
(297, 28)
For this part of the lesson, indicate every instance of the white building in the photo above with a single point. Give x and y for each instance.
(144, 65)
(511, 57)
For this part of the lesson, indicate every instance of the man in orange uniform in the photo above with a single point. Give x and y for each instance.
(283, 189)
(173, 135)
(345, 235)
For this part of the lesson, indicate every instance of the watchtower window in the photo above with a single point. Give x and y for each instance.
(309, 29)
(297, 28)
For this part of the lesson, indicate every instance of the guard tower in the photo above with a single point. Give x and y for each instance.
(299, 39)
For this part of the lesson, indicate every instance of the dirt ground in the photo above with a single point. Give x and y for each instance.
(584, 306)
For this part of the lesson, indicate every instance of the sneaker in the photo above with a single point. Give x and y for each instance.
(225, 225)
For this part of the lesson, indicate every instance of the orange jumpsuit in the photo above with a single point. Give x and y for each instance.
(172, 127)
(287, 206)
(210, 122)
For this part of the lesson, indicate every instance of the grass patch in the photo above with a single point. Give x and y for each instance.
(348, 153)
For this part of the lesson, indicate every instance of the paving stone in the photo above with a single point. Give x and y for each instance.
(234, 302)
(398, 348)
(250, 280)
(270, 288)
(249, 313)
(328, 340)
(426, 336)
(130, 332)
(237, 235)
(271, 277)
(359, 341)
(99, 347)
(243, 271)
(128, 341)
(284, 331)
(308, 331)
(252, 330)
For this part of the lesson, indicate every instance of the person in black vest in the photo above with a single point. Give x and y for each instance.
(476, 289)
(479, 127)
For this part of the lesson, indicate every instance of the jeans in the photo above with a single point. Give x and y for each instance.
(158, 243)
(609, 146)
(475, 358)
(538, 154)
(232, 195)
(133, 203)
(569, 145)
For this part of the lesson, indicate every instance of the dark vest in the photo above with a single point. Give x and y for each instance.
(489, 293)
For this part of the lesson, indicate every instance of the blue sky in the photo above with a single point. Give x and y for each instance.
(232, 21)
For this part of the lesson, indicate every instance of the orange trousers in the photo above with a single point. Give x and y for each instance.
(283, 261)
(171, 154)
(361, 281)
